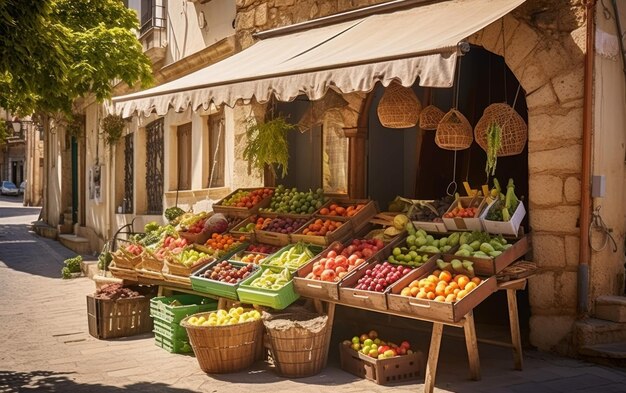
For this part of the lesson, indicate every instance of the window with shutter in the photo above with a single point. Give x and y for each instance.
(183, 134)
(217, 151)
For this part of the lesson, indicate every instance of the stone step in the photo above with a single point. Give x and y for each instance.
(593, 331)
(65, 229)
(610, 354)
(78, 244)
(611, 308)
(89, 268)
(45, 230)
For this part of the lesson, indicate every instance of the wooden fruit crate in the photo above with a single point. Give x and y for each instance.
(150, 262)
(358, 297)
(435, 310)
(275, 238)
(121, 273)
(491, 266)
(343, 232)
(236, 230)
(241, 211)
(118, 318)
(323, 290)
(466, 224)
(361, 218)
(384, 371)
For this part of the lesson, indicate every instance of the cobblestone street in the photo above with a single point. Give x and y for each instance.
(45, 345)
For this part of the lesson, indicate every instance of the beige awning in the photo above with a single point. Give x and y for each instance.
(408, 45)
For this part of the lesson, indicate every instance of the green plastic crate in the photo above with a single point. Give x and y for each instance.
(312, 247)
(191, 304)
(171, 330)
(266, 297)
(172, 346)
(217, 288)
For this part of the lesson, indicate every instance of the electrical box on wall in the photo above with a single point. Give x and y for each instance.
(598, 186)
(95, 184)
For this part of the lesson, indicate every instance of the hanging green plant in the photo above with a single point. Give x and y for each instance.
(76, 125)
(112, 127)
(494, 142)
(267, 144)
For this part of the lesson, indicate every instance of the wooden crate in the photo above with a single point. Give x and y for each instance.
(434, 310)
(121, 273)
(343, 232)
(466, 224)
(491, 266)
(236, 230)
(275, 238)
(385, 371)
(118, 318)
(178, 280)
(241, 211)
(358, 297)
(361, 218)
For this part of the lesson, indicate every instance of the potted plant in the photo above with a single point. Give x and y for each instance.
(268, 145)
(112, 128)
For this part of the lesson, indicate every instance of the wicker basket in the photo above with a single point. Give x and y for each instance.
(514, 129)
(430, 117)
(125, 260)
(151, 262)
(181, 270)
(224, 349)
(399, 107)
(454, 132)
(298, 350)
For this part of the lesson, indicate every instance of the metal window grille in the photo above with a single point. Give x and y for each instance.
(154, 166)
(128, 173)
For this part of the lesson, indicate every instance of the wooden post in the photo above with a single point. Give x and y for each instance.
(433, 357)
(472, 346)
(516, 338)
(331, 318)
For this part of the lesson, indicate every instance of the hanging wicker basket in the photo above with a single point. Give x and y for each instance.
(454, 132)
(514, 129)
(430, 117)
(399, 107)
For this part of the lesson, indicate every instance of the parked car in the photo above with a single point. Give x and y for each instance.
(8, 188)
(22, 187)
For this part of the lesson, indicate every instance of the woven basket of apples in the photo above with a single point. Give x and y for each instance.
(367, 356)
(224, 341)
(128, 256)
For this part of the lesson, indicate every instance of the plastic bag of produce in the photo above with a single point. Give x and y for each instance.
(217, 223)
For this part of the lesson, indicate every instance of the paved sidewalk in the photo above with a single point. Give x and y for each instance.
(45, 345)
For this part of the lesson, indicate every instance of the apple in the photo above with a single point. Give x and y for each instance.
(356, 346)
(355, 340)
(368, 342)
(389, 353)
(405, 344)
(373, 353)
(364, 337)
(373, 334)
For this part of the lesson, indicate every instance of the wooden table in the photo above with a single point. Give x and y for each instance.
(466, 323)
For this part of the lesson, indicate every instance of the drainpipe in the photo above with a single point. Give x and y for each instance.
(585, 196)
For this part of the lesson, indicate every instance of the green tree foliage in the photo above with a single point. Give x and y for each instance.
(55, 51)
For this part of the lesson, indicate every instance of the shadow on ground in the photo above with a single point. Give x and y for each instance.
(24, 251)
(7, 212)
(49, 381)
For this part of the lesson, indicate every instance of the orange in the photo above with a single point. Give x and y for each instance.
(476, 280)
(463, 282)
(451, 298)
(449, 290)
(414, 291)
(433, 278)
(453, 285)
(430, 295)
(470, 285)
(461, 294)
(421, 295)
(440, 290)
(437, 272)
(406, 292)
(459, 276)
(445, 276)
(440, 299)
(414, 284)
(456, 291)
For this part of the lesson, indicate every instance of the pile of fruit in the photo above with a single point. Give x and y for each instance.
(192, 223)
(262, 248)
(462, 212)
(249, 227)
(292, 258)
(321, 227)
(283, 225)
(171, 245)
(481, 245)
(270, 280)
(132, 249)
(228, 273)
(420, 242)
(247, 199)
(114, 292)
(341, 260)
(505, 204)
(430, 211)
(293, 201)
(441, 286)
(380, 276)
(189, 257)
(219, 244)
(223, 317)
(457, 266)
(369, 344)
(405, 256)
(253, 258)
(343, 211)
